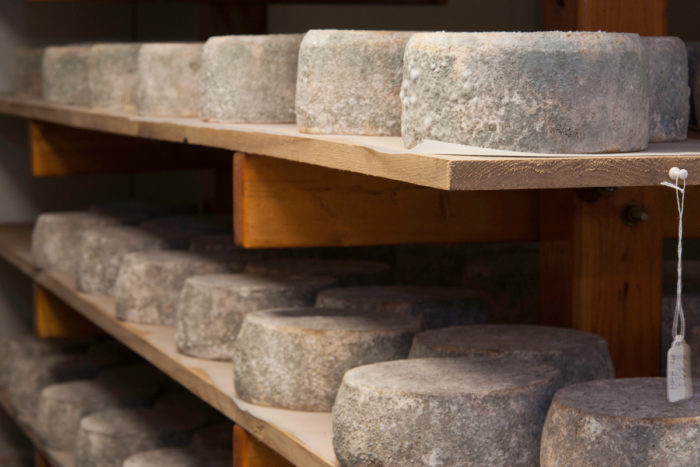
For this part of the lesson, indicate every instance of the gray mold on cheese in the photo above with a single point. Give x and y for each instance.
(670, 95)
(149, 283)
(580, 356)
(346, 271)
(427, 412)
(56, 235)
(545, 92)
(26, 74)
(506, 274)
(169, 75)
(212, 307)
(32, 374)
(101, 253)
(109, 437)
(437, 306)
(113, 74)
(15, 349)
(349, 82)
(65, 75)
(621, 422)
(295, 358)
(62, 406)
(181, 457)
(249, 79)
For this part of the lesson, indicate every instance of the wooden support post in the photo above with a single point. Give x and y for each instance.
(601, 274)
(596, 272)
(279, 203)
(54, 318)
(61, 150)
(249, 452)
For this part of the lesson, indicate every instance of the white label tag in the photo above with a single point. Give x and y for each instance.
(679, 383)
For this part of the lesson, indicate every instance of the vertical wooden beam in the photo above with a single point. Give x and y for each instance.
(645, 17)
(597, 273)
(560, 15)
(249, 452)
(53, 318)
(603, 275)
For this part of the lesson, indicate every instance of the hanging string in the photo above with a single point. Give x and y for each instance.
(678, 315)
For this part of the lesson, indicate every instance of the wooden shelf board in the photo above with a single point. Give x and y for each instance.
(302, 437)
(384, 156)
(15, 245)
(56, 458)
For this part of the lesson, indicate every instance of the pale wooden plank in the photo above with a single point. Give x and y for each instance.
(304, 438)
(15, 244)
(110, 122)
(385, 156)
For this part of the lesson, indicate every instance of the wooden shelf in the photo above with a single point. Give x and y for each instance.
(15, 247)
(56, 458)
(303, 438)
(384, 157)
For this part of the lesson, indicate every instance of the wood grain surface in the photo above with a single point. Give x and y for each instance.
(385, 157)
(279, 203)
(645, 17)
(601, 275)
(303, 438)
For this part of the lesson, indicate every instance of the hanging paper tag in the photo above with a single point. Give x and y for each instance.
(679, 382)
(678, 378)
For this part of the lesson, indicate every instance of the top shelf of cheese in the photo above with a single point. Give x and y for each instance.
(414, 107)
